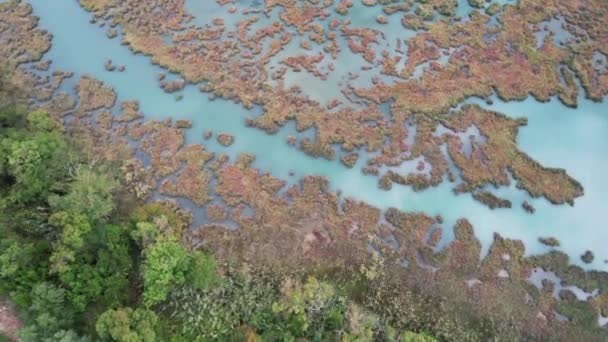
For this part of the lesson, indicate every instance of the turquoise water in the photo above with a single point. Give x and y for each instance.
(576, 139)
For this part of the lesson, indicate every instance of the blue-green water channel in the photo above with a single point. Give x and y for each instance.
(575, 139)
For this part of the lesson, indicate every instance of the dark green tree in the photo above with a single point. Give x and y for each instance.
(48, 314)
(101, 273)
(33, 161)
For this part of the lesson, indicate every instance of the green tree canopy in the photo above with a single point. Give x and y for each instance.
(89, 194)
(34, 160)
(203, 271)
(165, 267)
(73, 229)
(127, 325)
(48, 314)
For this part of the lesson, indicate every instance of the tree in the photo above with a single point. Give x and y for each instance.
(68, 336)
(127, 325)
(35, 165)
(36, 161)
(311, 309)
(361, 324)
(89, 194)
(22, 266)
(101, 272)
(161, 219)
(409, 336)
(166, 264)
(203, 271)
(48, 314)
(73, 230)
(145, 234)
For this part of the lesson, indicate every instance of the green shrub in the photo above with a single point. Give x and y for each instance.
(203, 271)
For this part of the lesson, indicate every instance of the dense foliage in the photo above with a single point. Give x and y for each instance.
(79, 269)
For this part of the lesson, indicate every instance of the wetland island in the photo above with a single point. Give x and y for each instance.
(303, 170)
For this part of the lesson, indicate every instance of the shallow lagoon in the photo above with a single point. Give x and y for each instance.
(556, 136)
